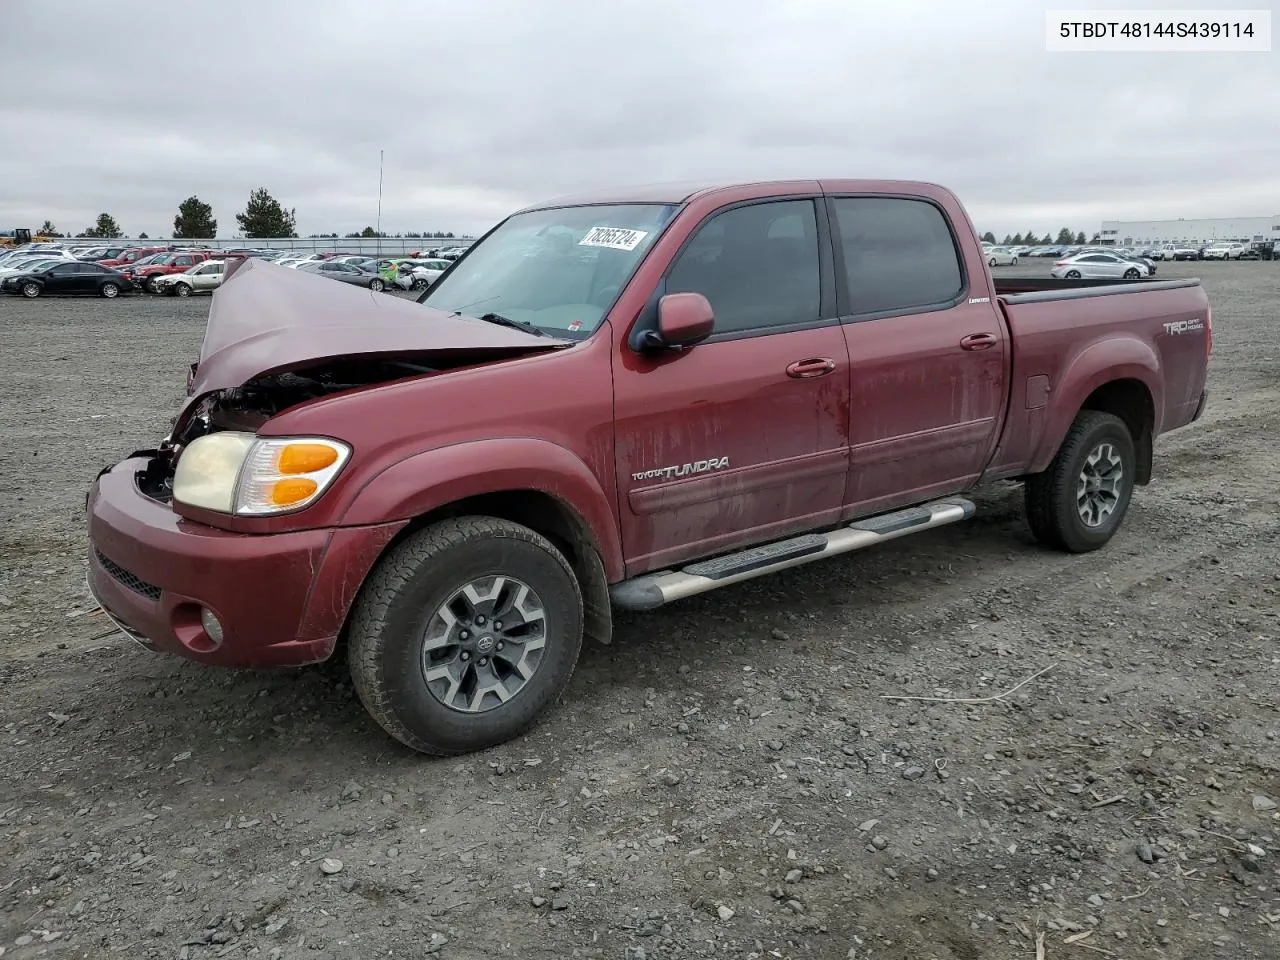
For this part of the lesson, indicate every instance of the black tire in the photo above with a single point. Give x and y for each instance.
(181, 289)
(1132, 274)
(1051, 497)
(376, 285)
(31, 289)
(1073, 274)
(1014, 262)
(421, 283)
(991, 262)
(400, 601)
(110, 290)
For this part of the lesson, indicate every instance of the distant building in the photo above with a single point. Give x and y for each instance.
(1137, 233)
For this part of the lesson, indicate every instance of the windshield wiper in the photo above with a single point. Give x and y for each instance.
(502, 321)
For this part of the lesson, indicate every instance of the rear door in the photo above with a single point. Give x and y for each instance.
(211, 274)
(927, 351)
(743, 437)
(93, 276)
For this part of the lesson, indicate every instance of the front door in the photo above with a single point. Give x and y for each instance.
(742, 438)
(927, 353)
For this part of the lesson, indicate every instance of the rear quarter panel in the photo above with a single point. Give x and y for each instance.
(1063, 350)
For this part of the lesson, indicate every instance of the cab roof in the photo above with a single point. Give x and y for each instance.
(683, 191)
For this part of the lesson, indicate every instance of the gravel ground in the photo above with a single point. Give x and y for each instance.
(730, 778)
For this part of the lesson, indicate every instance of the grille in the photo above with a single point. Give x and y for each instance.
(123, 576)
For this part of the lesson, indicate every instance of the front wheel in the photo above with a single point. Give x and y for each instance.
(1079, 502)
(376, 285)
(464, 633)
(1131, 274)
(182, 290)
(1013, 262)
(30, 289)
(420, 283)
(991, 262)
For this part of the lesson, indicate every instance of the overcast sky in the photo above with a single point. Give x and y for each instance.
(485, 105)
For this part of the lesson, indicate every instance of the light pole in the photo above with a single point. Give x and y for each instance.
(378, 228)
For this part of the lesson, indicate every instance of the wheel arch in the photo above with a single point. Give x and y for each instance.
(1131, 401)
(1126, 385)
(531, 482)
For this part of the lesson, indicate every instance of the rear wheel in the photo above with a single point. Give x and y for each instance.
(1073, 274)
(464, 634)
(376, 285)
(1079, 502)
(110, 290)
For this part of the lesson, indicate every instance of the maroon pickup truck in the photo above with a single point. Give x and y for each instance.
(617, 400)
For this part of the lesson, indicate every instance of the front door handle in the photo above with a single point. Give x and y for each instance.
(978, 341)
(814, 367)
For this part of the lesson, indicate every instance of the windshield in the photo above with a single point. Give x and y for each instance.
(557, 269)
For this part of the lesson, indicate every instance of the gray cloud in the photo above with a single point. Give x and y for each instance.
(486, 105)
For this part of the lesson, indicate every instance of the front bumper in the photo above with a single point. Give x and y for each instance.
(281, 598)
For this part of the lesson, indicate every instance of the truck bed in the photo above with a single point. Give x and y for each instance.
(1037, 289)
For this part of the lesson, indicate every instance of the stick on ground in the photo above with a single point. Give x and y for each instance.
(998, 696)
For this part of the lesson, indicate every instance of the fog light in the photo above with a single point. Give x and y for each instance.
(211, 625)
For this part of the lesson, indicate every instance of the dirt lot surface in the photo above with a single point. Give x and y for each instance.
(728, 779)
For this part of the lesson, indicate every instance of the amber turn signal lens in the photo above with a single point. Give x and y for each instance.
(291, 491)
(306, 458)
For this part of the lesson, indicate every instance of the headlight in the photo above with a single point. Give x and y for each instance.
(239, 473)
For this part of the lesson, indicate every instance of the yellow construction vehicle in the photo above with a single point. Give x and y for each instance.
(21, 235)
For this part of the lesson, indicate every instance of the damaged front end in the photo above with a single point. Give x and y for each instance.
(277, 338)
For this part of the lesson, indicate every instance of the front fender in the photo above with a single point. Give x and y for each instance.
(426, 481)
(1104, 361)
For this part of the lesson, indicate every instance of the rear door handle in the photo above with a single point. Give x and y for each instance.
(978, 341)
(814, 367)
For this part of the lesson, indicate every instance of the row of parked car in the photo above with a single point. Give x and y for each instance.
(1083, 262)
(109, 271)
(998, 256)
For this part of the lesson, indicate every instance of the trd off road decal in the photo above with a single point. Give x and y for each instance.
(682, 470)
(1184, 326)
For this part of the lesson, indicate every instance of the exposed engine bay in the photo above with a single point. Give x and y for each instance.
(247, 407)
(255, 402)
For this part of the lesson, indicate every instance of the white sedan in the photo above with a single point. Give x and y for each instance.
(421, 274)
(1000, 257)
(11, 268)
(1098, 266)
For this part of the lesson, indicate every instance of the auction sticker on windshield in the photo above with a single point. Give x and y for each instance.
(615, 238)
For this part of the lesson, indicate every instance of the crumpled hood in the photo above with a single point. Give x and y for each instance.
(267, 319)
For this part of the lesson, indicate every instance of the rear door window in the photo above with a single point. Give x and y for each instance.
(898, 255)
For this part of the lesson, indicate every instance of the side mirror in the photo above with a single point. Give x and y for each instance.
(683, 320)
